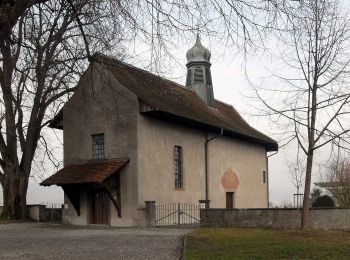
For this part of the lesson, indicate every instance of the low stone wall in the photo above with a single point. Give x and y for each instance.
(320, 218)
(36, 212)
(42, 214)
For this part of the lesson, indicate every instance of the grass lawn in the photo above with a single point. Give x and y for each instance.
(245, 243)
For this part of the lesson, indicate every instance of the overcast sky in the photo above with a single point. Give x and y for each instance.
(231, 86)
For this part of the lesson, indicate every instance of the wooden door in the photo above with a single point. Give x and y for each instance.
(229, 200)
(99, 207)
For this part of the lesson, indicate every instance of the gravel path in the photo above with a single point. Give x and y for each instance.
(45, 241)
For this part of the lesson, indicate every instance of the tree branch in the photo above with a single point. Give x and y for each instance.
(10, 12)
(331, 139)
(332, 119)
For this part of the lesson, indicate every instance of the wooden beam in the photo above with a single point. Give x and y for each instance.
(73, 195)
(114, 201)
(144, 107)
(110, 185)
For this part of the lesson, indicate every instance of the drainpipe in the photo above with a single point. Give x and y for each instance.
(206, 164)
(268, 177)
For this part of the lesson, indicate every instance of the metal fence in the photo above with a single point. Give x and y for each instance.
(177, 215)
(52, 212)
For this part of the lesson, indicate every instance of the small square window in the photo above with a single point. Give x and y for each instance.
(98, 146)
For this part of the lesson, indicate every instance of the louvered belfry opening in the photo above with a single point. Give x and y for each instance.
(198, 77)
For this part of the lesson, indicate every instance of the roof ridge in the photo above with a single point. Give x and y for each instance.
(222, 102)
(113, 59)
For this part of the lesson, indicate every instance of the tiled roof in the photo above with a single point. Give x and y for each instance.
(178, 100)
(95, 172)
(329, 184)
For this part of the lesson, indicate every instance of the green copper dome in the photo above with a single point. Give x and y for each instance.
(198, 53)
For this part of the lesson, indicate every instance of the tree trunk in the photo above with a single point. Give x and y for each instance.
(15, 188)
(305, 213)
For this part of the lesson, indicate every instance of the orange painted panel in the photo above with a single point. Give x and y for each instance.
(229, 180)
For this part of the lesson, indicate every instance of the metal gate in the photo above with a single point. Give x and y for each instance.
(52, 212)
(177, 215)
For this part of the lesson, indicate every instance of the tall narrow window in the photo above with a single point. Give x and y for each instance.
(178, 167)
(264, 176)
(98, 146)
(208, 76)
(189, 76)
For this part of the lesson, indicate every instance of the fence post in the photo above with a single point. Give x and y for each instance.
(203, 212)
(205, 202)
(150, 213)
(178, 214)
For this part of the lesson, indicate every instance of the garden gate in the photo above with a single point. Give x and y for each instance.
(177, 215)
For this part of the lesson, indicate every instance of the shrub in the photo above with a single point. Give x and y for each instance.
(324, 201)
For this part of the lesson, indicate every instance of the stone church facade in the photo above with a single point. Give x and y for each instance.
(131, 136)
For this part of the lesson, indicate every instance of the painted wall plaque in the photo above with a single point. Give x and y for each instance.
(229, 181)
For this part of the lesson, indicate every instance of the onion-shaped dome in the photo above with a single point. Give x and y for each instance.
(198, 53)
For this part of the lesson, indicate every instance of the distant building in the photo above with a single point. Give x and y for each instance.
(337, 183)
(132, 136)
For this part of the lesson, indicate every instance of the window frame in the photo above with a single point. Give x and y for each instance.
(264, 176)
(98, 146)
(178, 167)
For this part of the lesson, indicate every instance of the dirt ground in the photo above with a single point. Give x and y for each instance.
(49, 241)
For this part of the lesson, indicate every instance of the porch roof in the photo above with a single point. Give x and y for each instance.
(92, 172)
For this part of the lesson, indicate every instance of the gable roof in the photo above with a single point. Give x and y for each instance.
(95, 172)
(174, 99)
(171, 101)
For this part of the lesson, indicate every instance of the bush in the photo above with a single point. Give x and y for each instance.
(324, 201)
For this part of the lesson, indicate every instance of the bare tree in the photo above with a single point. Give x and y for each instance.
(238, 23)
(313, 100)
(296, 172)
(40, 66)
(336, 181)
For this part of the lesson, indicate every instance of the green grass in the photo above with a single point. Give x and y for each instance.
(244, 243)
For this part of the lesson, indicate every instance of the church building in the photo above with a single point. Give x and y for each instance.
(131, 136)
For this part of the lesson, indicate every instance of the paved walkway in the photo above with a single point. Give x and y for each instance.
(46, 241)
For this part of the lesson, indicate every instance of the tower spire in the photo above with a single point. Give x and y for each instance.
(198, 40)
(198, 72)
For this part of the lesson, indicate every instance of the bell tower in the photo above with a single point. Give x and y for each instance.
(198, 72)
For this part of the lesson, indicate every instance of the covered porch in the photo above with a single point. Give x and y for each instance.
(92, 190)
